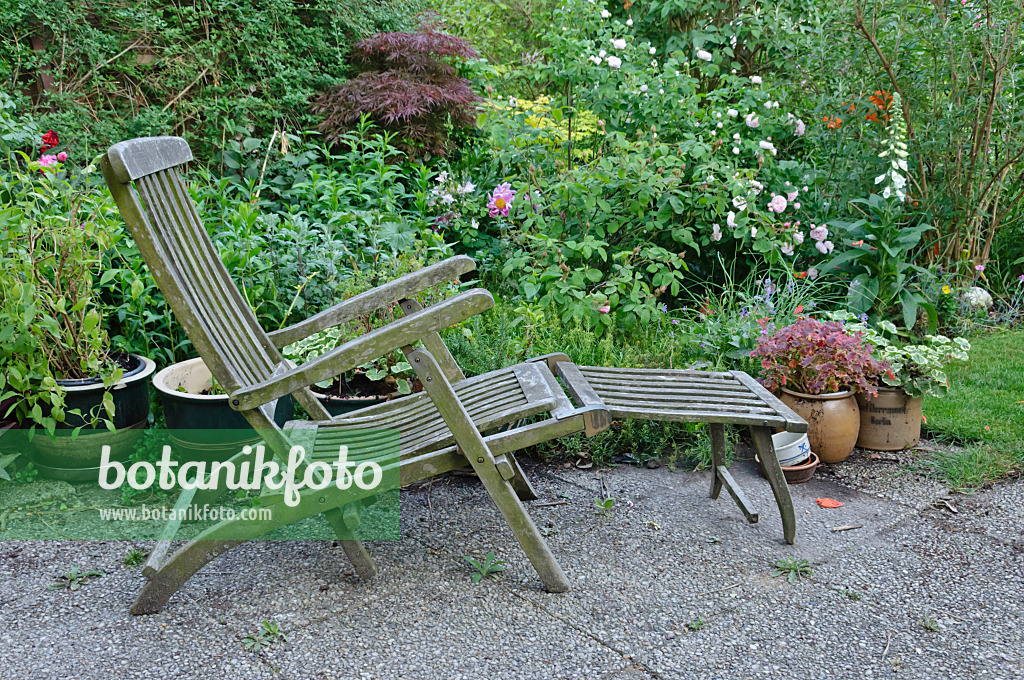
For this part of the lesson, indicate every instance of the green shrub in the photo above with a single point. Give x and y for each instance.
(202, 69)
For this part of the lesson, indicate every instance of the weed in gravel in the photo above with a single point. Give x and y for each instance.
(268, 633)
(74, 578)
(793, 569)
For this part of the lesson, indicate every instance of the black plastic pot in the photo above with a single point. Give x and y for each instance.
(78, 459)
(204, 426)
(340, 405)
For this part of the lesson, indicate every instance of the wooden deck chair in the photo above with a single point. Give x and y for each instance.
(441, 429)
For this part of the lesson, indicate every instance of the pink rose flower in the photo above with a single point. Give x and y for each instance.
(777, 204)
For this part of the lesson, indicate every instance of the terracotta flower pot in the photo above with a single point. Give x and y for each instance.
(833, 422)
(889, 422)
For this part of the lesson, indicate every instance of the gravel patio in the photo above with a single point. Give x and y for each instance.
(668, 585)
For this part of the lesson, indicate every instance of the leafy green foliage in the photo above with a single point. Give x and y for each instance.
(74, 578)
(54, 228)
(489, 566)
(268, 634)
(604, 506)
(201, 69)
(6, 461)
(916, 367)
(793, 569)
(885, 283)
(134, 557)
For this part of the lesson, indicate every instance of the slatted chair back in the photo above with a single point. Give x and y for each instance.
(144, 179)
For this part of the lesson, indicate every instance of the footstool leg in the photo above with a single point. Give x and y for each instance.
(762, 439)
(717, 432)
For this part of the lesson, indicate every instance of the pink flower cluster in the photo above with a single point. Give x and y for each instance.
(820, 234)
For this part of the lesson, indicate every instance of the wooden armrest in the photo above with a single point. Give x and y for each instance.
(372, 300)
(376, 343)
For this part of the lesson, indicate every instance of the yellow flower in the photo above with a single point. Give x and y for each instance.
(945, 290)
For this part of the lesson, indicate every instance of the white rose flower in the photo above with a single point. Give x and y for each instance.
(614, 62)
(619, 44)
(704, 55)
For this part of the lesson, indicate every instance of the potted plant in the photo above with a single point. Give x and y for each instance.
(201, 423)
(379, 380)
(61, 382)
(819, 367)
(891, 420)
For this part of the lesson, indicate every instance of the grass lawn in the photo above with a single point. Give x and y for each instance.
(984, 410)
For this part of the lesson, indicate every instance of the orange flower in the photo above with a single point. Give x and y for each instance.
(799, 308)
(858, 243)
(850, 108)
(800, 275)
(882, 101)
(832, 122)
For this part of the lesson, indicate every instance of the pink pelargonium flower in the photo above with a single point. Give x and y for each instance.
(501, 200)
(777, 204)
(979, 267)
(47, 160)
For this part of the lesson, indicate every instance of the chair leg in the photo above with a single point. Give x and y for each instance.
(762, 439)
(473, 446)
(525, 531)
(520, 484)
(172, 575)
(717, 432)
(345, 524)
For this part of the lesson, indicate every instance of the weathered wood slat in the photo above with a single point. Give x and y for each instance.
(683, 388)
(372, 300)
(577, 384)
(707, 405)
(137, 158)
(415, 406)
(697, 416)
(795, 422)
(376, 343)
(688, 397)
(658, 372)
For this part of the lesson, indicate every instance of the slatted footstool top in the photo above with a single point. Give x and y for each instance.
(679, 395)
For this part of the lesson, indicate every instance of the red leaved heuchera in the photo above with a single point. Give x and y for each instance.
(818, 357)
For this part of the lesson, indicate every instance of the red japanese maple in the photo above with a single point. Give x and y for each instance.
(407, 85)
